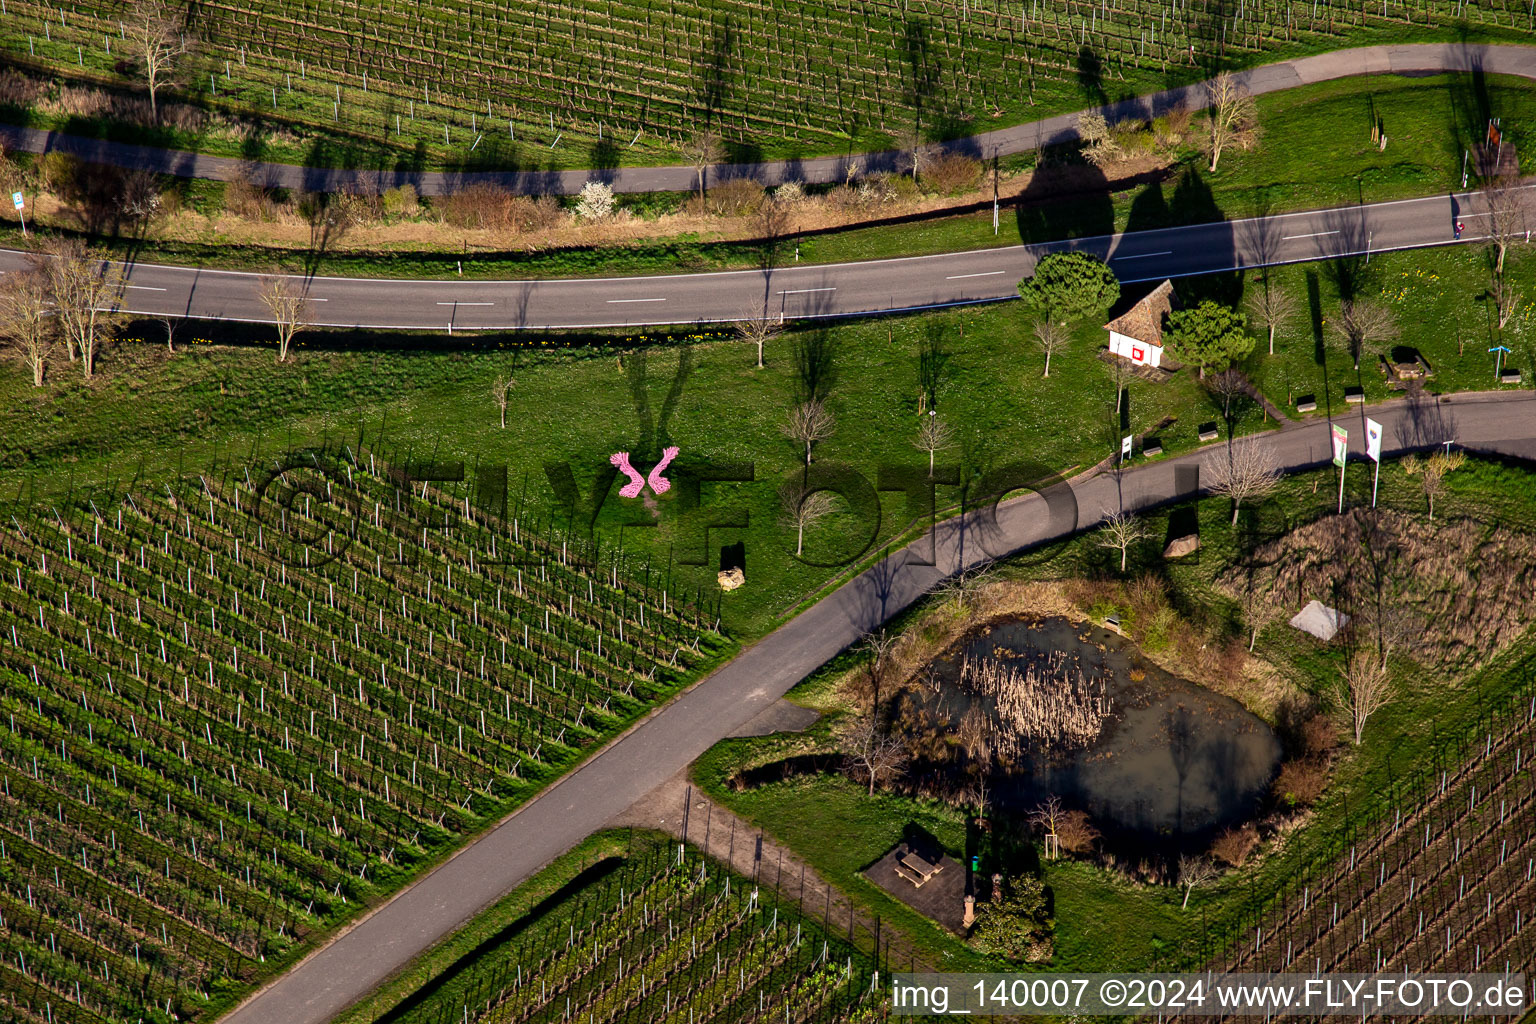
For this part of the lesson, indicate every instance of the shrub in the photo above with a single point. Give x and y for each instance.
(401, 201)
(534, 213)
(1016, 925)
(1075, 833)
(478, 206)
(790, 192)
(952, 173)
(595, 201)
(737, 197)
(1234, 845)
(1300, 782)
(57, 171)
(18, 90)
(244, 198)
(1155, 636)
(1319, 736)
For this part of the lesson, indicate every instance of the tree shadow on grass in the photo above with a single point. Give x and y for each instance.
(1067, 197)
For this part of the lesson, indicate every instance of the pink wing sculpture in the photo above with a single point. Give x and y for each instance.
(636, 481)
(659, 483)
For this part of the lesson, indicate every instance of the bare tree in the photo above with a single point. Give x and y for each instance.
(933, 436)
(1194, 871)
(156, 37)
(84, 291)
(1506, 295)
(1047, 817)
(1247, 473)
(808, 423)
(1259, 608)
(1050, 336)
(24, 320)
(702, 150)
(1362, 323)
(170, 323)
(803, 508)
(1271, 308)
(1231, 117)
(1508, 215)
(875, 754)
(288, 303)
(914, 154)
(1432, 473)
(755, 329)
(1364, 688)
(965, 584)
(881, 649)
(1120, 531)
(501, 394)
(1226, 386)
(140, 202)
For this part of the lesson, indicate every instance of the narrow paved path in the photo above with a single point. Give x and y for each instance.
(1407, 59)
(802, 292)
(672, 737)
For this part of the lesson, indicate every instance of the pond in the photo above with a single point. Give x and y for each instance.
(1073, 709)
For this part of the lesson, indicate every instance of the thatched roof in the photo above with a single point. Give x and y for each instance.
(1144, 320)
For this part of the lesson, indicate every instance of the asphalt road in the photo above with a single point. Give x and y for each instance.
(362, 957)
(797, 292)
(1415, 58)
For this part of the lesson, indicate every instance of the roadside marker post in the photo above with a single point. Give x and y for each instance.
(1373, 449)
(21, 211)
(1340, 456)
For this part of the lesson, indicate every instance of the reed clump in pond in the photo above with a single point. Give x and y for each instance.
(1046, 705)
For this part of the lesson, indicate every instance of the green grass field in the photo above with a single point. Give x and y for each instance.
(1103, 921)
(152, 413)
(598, 83)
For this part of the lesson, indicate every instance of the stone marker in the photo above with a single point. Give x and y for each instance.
(1181, 546)
(730, 579)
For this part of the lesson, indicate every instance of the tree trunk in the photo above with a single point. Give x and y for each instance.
(759, 354)
(1271, 339)
(1124, 551)
(37, 373)
(503, 417)
(1187, 890)
(1235, 507)
(930, 463)
(1047, 363)
(807, 453)
(1253, 639)
(800, 538)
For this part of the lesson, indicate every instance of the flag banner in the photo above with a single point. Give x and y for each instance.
(1340, 444)
(1125, 446)
(1373, 440)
